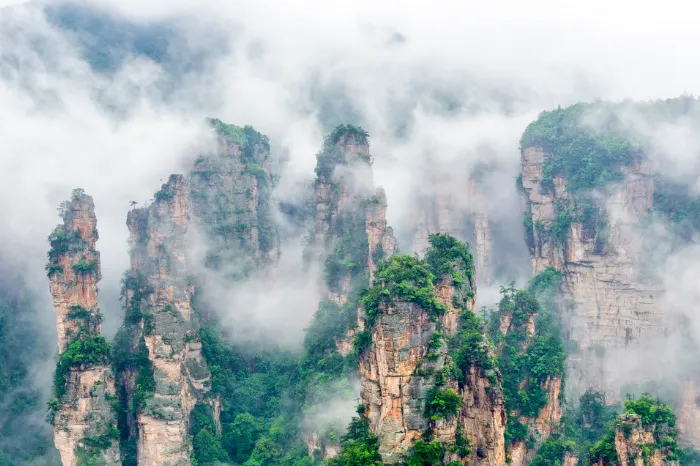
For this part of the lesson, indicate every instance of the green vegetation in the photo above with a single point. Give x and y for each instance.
(83, 352)
(85, 266)
(442, 403)
(358, 446)
(589, 145)
(657, 418)
(680, 205)
(527, 361)
(470, 347)
(426, 453)
(130, 355)
(233, 132)
(90, 451)
(402, 277)
(206, 445)
(552, 452)
(586, 156)
(53, 269)
(360, 134)
(22, 441)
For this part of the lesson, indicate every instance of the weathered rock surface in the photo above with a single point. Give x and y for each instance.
(542, 427)
(398, 372)
(230, 198)
(84, 411)
(159, 241)
(612, 307)
(349, 227)
(636, 446)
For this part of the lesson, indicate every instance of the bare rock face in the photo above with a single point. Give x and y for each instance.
(612, 307)
(636, 446)
(83, 414)
(159, 240)
(689, 412)
(408, 364)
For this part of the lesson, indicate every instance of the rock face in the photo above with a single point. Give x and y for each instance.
(349, 237)
(636, 446)
(347, 207)
(406, 365)
(230, 200)
(612, 307)
(216, 218)
(83, 413)
(159, 240)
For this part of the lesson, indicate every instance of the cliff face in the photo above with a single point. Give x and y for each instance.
(217, 218)
(612, 307)
(83, 413)
(408, 367)
(159, 241)
(350, 215)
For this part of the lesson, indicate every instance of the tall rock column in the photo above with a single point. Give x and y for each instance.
(158, 239)
(426, 370)
(83, 412)
(349, 237)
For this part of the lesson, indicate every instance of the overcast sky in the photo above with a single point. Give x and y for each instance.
(441, 85)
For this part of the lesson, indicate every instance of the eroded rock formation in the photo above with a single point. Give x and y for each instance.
(637, 445)
(159, 240)
(83, 412)
(612, 306)
(407, 366)
(349, 237)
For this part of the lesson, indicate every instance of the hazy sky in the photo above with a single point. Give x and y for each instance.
(438, 86)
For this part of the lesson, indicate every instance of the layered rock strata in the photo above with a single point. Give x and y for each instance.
(612, 307)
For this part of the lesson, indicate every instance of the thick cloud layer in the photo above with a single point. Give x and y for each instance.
(439, 88)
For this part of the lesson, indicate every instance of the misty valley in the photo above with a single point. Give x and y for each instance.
(523, 300)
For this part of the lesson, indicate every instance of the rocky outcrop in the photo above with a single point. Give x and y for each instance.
(407, 367)
(350, 234)
(218, 218)
(83, 412)
(159, 241)
(612, 307)
(636, 446)
(540, 428)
